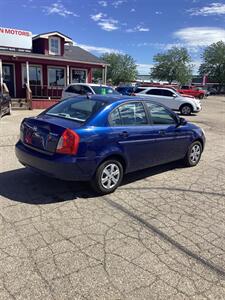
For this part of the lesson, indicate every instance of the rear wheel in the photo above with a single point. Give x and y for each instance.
(107, 177)
(193, 155)
(186, 109)
(201, 96)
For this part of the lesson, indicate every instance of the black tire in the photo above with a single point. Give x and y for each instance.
(201, 96)
(10, 109)
(186, 109)
(193, 155)
(97, 183)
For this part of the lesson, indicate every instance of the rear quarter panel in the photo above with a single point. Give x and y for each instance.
(96, 144)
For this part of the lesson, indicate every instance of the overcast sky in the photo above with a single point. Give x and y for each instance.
(140, 28)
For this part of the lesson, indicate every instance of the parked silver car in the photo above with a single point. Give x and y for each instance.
(170, 98)
(77, 89)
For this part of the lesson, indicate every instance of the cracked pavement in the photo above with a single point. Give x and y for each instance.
(161, 235)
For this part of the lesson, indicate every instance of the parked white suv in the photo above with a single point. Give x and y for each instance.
(77, 89)
(170, 98)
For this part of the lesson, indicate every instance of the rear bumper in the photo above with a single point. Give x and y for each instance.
(64, 167)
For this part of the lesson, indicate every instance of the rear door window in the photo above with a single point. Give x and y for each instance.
(76, 89)
(133, 114)
(114, 118)
(85, 90)
(156, 92)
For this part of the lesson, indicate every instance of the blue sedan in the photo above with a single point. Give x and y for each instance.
(100, 138)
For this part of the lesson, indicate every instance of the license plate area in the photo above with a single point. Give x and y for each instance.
(39, 137)
(36, 137)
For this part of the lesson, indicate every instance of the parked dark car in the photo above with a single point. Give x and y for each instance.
(212, 91)
(100, 138)
(125, 90)
(5, 104)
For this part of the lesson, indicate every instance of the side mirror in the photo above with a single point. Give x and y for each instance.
(182, 122)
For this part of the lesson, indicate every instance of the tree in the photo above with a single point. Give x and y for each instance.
(173, 65)
(214, 62)
(122, 68)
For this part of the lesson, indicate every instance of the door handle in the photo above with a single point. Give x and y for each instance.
(124, 134)
(162, 132)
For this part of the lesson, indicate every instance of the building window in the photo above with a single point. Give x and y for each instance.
(35, 75)
(56, 76)
(54, 46)
(78, 76)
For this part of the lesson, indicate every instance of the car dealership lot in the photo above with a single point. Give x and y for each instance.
(161, 235)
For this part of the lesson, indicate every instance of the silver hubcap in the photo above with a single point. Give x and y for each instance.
(186, 110)
(195, 153)
(110, 176)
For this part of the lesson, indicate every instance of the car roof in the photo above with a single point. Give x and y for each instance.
(125, 87)
(88, 84)
(157, 88)
(110, 98)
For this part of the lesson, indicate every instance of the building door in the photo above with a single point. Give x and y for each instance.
(8, 78)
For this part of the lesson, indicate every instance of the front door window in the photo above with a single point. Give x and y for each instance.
(159, 115)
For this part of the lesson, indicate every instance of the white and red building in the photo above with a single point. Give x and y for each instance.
(43, 64)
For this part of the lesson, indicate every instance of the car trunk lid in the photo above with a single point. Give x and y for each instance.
(43, 132)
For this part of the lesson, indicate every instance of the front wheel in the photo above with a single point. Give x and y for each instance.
(193, 155)
(9, 109)
(186, 110)
(107, 177)
(201, 96)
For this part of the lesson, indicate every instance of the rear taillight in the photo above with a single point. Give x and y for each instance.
(68, 142)
(22, 131)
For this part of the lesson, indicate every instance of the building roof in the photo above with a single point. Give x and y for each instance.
(77, 53)
(47, 34)
(71, 54)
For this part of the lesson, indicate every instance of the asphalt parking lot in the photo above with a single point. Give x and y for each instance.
(161, 235)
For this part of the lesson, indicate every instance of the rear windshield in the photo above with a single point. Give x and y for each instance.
(104, 90)
(78, 110)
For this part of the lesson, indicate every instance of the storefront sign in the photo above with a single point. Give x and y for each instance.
(15, 38)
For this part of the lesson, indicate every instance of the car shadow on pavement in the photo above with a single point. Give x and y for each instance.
(26, 186)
